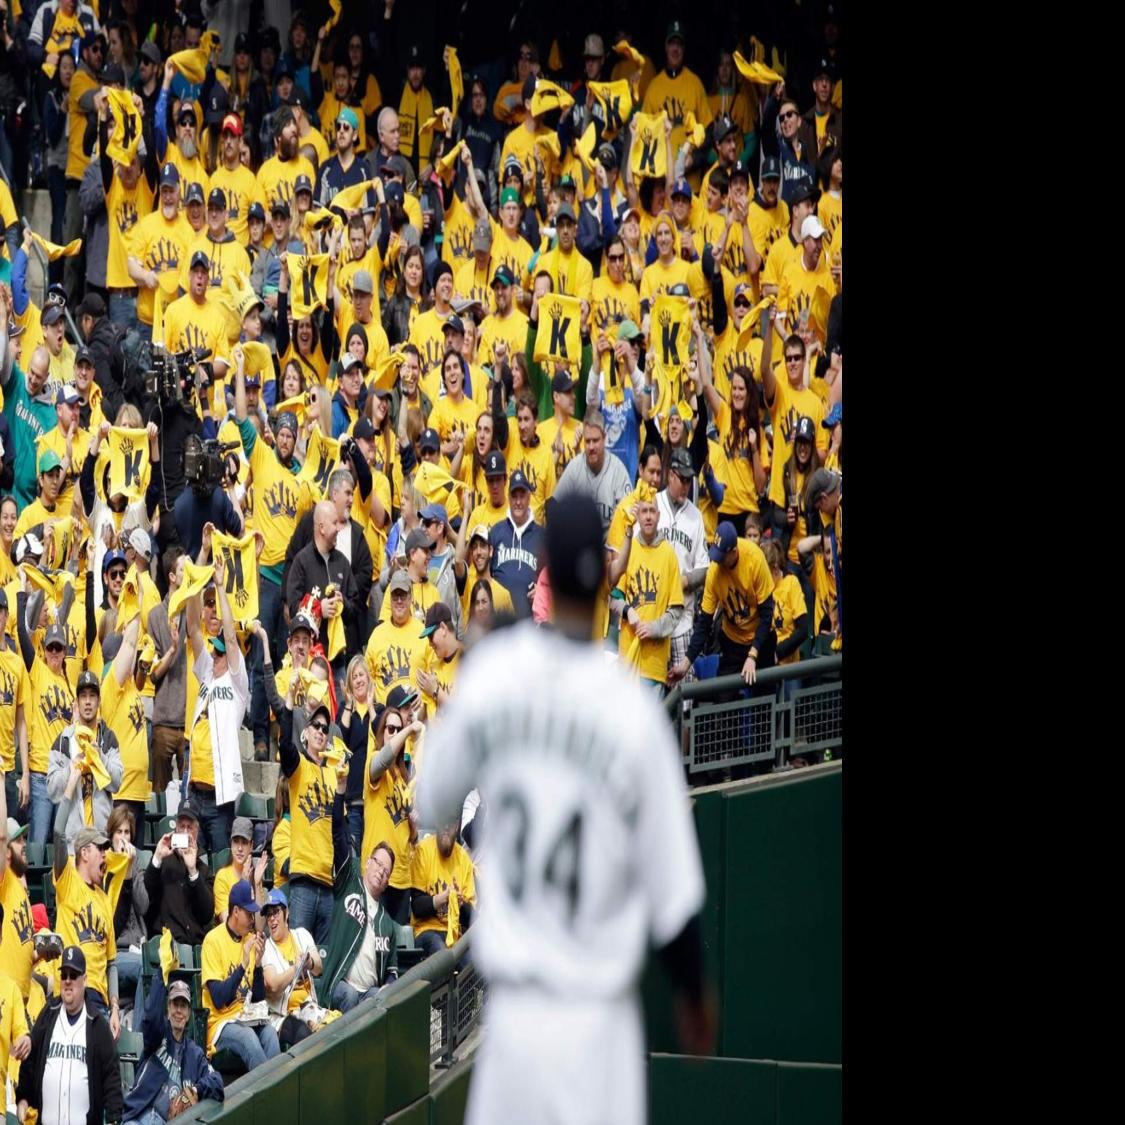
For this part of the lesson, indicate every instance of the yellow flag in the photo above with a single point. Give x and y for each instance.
(129, 602)
(750, 324)
(129, 468)
(695, 132)
(584, 146)
(192, 64)
(321, 457)
(352, 198)
(308, 284)
(196, 578)
(549, 96)
(386, 372)
(670, 332)
(126, 137)
(334, 19)
(560, 333)
(53, 252)
(456, 84)
(445, 164)
(241, 574)
(434, 483)
(756, 71)
(649, 156)
(628, 51)
(320, 218)
(616, 100)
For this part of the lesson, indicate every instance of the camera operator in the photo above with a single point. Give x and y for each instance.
(204, 500)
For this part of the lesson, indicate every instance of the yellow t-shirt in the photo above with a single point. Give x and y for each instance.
(611, 304)
(386, 807)
(652, 586)
(739, 591)
(803, 290)
(52, 702)
(188, 325)
(202, 763)
(514, 253)
(159, 245)
(427, 336)
(221, 953)
(13, 678)
(329, 110)
(124, 713)
(738, 461)
(125, 208)
(191, 171)
(225, 878)
(449, 417)
(457, 233)
(290, 952)
(830, 211)
(371, 261)
(276, 179)
(445, 670)
(782, 251)
(788, 605)
(13, 1021)
(512, 329)
(280, 844)
(312, 139)
(241, 189)
(521, 144)
(85, 918)
(571, 440)
(537, 463)
(432, 873)
(728, 356)
(501, 599)
(472, 283)
(659, 278)
(677, 97)
(17, 947)
(275, 502)
(55, 440)
(767, 225)
(571, 274)
(225, 257)
(76, 159)
(788, 405)
(311, 789)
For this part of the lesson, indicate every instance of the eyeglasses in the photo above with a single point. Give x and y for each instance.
(787, 114)
(69, 974)
(741, 304)
(342, 125)
(794, 358)
(615, 257)
(97, 49)
(115, 574)
(392, 730)
(322, 727)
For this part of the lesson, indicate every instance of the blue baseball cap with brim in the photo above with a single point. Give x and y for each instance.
(726, 539)
(242, 894)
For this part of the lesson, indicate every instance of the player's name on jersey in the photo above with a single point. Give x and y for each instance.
(539, 729)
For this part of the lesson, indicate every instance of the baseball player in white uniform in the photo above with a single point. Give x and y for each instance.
(588, 854)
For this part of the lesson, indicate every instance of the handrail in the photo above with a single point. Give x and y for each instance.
(717, 685)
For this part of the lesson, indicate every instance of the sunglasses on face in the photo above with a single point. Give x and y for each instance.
(794, 358)
(322, 727)
(787, 114)
(615, 257)
(69, 974)
(115, 574)
(392, 730)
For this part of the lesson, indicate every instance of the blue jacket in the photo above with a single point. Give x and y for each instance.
(517, 560)
(153, 1074)
(795, 173)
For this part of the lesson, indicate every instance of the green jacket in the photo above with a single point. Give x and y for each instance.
(349, 915)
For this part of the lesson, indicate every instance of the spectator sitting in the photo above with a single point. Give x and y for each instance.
(177, 884)
(441, 869)
(241, 866)
(174, 1074)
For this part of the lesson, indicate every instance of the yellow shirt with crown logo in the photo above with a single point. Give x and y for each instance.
(85, 918)
(392, 649)
(311, 790)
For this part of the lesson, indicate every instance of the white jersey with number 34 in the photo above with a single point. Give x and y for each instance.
(588, 851)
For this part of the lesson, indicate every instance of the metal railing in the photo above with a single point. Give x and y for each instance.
(796, 709)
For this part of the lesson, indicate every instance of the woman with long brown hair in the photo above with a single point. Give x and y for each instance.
(409, 294)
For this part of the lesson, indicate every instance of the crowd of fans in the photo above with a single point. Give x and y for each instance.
(326, 329)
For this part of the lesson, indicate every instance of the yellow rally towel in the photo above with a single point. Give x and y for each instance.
(386, 372)
(321, 456)
(336, 753)
(241, 581)
(445, 164)
(696, 133)
(116, 867)
(320, 218)
(129, 468)
(196, 578)
(192, 64)
(127, 126)
(434, 483)
(38, 578)
(352, 198)
(259, 358)
(53, 252)
(628, 51)
(549, 142)
(129, 603)
(456, 83)
(334, 19)
(549, 96)
(560, 334)
(89, 757)
(210, 41)
(453, 919)
(146, 650)
(616, 100)
(750, 324)
(614, 377)
(756, 71)
(298, 405)
(670, 332)
(431, 122)
(649, 156)
(169, 954)
(308, 290)
(584, 146)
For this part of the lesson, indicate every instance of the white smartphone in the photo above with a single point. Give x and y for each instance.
(180, 840)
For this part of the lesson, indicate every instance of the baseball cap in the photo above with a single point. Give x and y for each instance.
(480, 531)
(89, 835)
(400, 582)
(82, 355)
(436, 615)
(302, 621)
(824, 65)
(518, 480)
(771, 169)
(401, 695)
(279, 207)
(509, 194)
(15, 829)
(256, 211)
(243, 828)
(54, 636)
(494, 465)
(822, 483)
(179, 990)
(66, 395)
(607, 155)
(575, 554)
(394, 192)
(418, 539)
(93, 304)
(363, 428)
(51, 314)
(199, 258)
(282, 69)
(562, 383)
(242, 43)
(482, 234)
(362, 282)
(743, 289)
(681, 187)
(302, 183)
(48, 460)
(348, 361)
(232, 123)
(88, 679)
(414, 55)
(593, 48)
(429, 440)
(186, 111)
(169, 175)
(188, 809)
(726, 539)
(435, 512)
(348, 116)
(675, 31)
(276, 897)
(194, 193)
(112, 557)
(805, 192)
(242, 895)
(217, 198)
(56, 294)
(738, 168)
(812, 228)
(565, 212)
(806, 430)
(503, 276)
(680, 464)
(113, 75)
(149, 50)
(454, 324)
(397, 165)
(73, 958)
(627, 330)
(217, 105)
(723, 127)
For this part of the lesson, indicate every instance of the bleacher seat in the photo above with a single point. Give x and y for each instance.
(130, 1048)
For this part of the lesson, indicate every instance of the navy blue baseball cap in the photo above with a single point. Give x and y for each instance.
(112, 557)
(771, 169)
(73, 958)
(256, 211)
(494, 465)
(726, 539)
(681, 187)
(518, 480)
(169, 174)
(429, 440)
(503, 276)
(241, 894)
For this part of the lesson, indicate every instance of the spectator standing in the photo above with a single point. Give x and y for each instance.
(597, 473)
